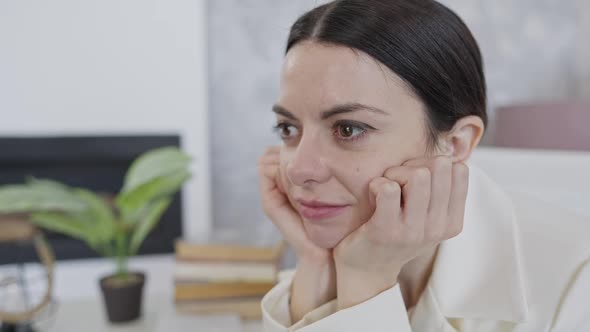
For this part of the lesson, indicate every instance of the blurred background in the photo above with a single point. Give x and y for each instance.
(86, 86)
(208, 72)
(534, 52)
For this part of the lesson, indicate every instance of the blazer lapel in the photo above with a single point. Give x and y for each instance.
(478, 274)
(427, 315)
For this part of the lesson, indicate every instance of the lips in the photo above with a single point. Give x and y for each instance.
(316, 210)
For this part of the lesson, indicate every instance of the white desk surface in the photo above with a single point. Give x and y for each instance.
(158, 316)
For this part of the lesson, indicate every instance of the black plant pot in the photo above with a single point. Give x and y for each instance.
(123, 301)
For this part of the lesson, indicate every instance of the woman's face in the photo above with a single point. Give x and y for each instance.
(344, 120)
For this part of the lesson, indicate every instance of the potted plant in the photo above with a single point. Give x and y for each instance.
(115, 228)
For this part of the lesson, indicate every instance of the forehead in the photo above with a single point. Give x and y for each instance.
(317, 76)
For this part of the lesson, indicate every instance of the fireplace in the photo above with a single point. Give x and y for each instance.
(97, 163)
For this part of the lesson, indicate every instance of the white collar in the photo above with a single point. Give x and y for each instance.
(479, 274)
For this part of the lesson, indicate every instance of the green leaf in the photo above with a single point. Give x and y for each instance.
(132, 203)
(48, 184)
(148, 222)
(61, 223)
(94, 224)
(38, 196)
(154, 164)
(99, 218)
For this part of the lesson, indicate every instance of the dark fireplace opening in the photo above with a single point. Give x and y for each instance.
(98, 163)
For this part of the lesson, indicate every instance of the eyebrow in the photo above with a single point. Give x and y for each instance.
(338, 109)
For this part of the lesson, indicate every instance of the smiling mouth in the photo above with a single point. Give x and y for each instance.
(315, 210)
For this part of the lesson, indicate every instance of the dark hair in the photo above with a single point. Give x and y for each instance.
(425, 43)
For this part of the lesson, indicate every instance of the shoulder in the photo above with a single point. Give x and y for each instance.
(545, 228)
(554, 245)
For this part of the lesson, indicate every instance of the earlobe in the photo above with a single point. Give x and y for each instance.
(463, 138)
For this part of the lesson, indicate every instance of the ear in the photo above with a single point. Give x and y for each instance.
(460, 142)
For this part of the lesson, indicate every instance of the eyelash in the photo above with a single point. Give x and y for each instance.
(364, 128)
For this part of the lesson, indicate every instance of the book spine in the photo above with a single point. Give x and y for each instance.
(219, 291)
(193, 252)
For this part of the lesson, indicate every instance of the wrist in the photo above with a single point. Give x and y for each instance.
(355, 286)
(318, 277)
(315, 259)
(314, 284)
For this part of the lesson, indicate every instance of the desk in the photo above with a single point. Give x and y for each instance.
(159, 315)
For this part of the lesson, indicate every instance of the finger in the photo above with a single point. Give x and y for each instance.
(268, 176)
(387, 213)
(437, 220)
(272, 149)
(270, 171)
(416, 205)
(441, 186)
(458, 198)
(374, 189)
(271, 178)
(415, 193)
(269, 159)
(441, 171)
(417, 162)
(399, 174)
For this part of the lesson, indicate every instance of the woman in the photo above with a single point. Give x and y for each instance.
(381, 104)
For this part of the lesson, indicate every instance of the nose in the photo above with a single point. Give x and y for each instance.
(307, 164)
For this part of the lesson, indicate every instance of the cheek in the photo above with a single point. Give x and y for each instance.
(358, 176)
(356, 179)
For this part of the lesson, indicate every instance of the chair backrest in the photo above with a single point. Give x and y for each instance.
(555, 126)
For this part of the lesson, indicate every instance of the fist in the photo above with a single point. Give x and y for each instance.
(417, 205)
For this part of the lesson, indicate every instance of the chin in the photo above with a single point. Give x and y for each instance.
(325, 237)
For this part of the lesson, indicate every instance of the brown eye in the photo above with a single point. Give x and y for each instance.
(346, 131)
(286, 131)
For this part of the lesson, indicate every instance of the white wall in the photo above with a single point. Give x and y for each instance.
(71, 67)
(583, 50)
(529, 48)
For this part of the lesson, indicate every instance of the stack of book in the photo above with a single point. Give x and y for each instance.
(215, 278)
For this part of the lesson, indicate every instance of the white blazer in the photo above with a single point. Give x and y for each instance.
(519, 265)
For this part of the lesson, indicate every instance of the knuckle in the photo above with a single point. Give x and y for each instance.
(435, 229)
(434, 235)
(421, 174)
(390, 172)
(461, 169)
(455, 230)
(269, 150)
(391, 188)
(412, 162)
(376, 183)
(441, 161)
(411, 238)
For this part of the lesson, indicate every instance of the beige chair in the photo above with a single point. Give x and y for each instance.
(551, 126)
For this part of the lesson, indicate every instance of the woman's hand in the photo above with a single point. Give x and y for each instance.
(417, 206)
(277, 207)
(315, 279)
